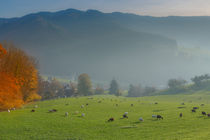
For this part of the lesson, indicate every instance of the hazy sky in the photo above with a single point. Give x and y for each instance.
(13, 8)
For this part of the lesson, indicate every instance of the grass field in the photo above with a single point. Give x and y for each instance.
(22, 124)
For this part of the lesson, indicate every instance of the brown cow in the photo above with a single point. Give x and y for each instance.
(111, 120)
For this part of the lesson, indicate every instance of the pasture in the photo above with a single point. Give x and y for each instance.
(22, 124)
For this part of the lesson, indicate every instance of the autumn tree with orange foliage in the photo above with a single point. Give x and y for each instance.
(10, 94)
(18, 71)
(2, 51)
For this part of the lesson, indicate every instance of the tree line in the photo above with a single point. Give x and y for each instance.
(181, 85)
(52, 88)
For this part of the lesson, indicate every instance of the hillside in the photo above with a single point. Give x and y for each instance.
(128, 47)
(188, 31)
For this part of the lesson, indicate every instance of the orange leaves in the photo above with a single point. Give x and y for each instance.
(10, 95)
(18, 78)
(33, 97)
(2, 51)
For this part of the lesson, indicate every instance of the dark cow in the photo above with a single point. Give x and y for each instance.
(208, 115)
(203, 113)
(131, 104)
(87, 104)
(116, 104)
(32, 110)
(125, 116)
(111, 120)
(159, 117)
(193, 110)
(156, 103)
(180, 115)
(195, 107)
(202, 104)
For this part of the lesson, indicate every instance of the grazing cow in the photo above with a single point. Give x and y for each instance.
(125, 115)
(180, 115)
(182, 104)
(195, 107)
(111, 120)
(202, 104)
(154, 116)
(141, 119)
(66, 114)
(193, 110)
(159, 117)
(208, 115)
(82, 106)
(156, 103)
(32, 110)
(203, 113)
(83, 114)
(87, 104)
(131, 104)
(99, 101)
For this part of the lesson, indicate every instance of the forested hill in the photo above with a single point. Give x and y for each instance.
(129, 47)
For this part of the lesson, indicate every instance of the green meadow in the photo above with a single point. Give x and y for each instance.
(22, 124)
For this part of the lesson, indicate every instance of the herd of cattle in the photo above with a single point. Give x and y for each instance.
(203, 112)
(125, 115)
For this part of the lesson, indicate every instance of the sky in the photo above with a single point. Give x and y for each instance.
(17, 8)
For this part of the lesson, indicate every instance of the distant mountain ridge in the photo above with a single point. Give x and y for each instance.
(105, 45)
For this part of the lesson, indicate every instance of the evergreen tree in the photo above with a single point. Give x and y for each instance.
(114, 88)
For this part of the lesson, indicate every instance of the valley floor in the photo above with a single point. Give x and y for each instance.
(22, 124)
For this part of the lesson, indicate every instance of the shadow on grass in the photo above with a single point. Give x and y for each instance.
(128, 127)
(137, 122)
(153, 119)
(181, 107)
(200, 116)
(80, 116)
(159, 110)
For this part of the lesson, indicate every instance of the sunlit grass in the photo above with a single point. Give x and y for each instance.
(22, 124)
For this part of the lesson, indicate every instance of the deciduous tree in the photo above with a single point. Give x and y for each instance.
(84, 85)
